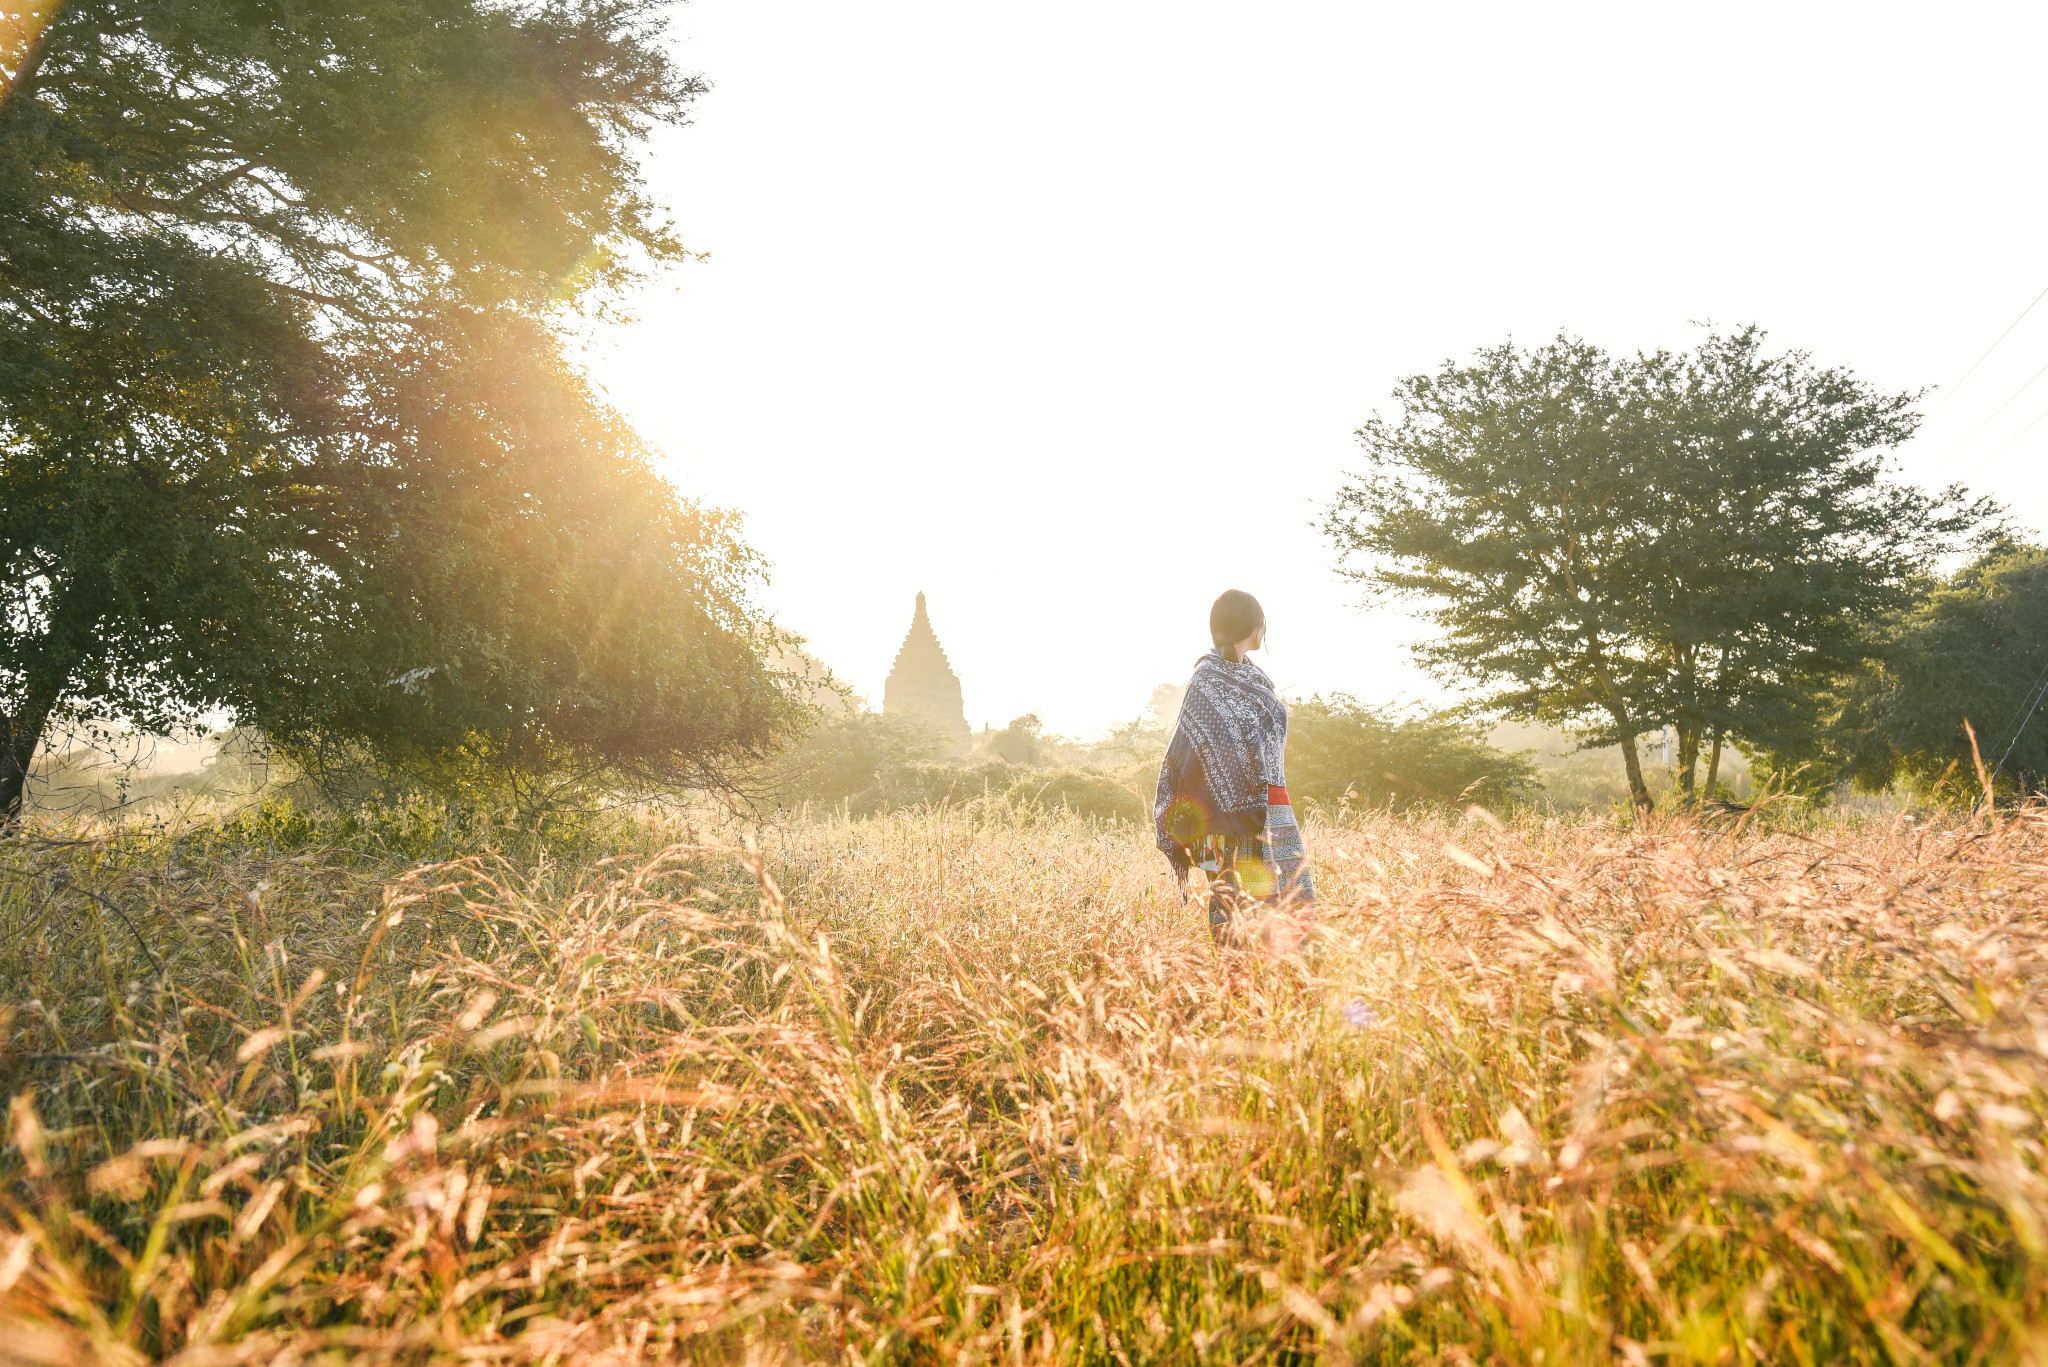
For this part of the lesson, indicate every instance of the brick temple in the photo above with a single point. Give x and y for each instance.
(923, 684)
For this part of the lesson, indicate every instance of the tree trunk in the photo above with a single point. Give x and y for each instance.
(1714, 763)
(1688, 760)
(19, 736)
(1638, 790)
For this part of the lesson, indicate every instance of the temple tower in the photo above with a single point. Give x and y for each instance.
(923, 685)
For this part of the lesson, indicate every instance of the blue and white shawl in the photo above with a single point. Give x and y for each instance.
(1229, 751)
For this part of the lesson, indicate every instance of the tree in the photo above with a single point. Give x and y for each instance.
(1614, 545)
(1022, 743)
(244, 245)
(1974, 649)
(1339, 749)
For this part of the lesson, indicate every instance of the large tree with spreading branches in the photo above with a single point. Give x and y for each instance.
(283, 423)
(1704, 540)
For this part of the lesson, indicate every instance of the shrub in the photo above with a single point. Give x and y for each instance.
(1080, 792)
(843, 757)
(1023, 742)
(993, 783)
(933, 784)
(1341, 750)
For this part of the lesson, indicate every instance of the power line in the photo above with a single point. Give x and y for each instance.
(1987, 354)
(1977, 463)
(2010, 440)
(2039, 693)
(2005, 731)
(1957, 449)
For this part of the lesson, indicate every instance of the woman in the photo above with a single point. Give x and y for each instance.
(1222, 805)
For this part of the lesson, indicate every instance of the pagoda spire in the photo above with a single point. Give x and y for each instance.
(922, 683)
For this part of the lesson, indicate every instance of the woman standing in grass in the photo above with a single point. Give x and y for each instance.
(1222, 805)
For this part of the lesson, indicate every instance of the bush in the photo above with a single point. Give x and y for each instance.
(873, 763)
(993, 783)
(1340, 750)
(1023, 742)
(933, 784)
(1082, 793)
(844, 757)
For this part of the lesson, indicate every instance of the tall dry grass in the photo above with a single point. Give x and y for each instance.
(942, 1089)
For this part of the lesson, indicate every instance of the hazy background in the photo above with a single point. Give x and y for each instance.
(1064, 313)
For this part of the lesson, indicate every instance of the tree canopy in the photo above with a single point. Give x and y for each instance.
(1615, 544)
(283, 426)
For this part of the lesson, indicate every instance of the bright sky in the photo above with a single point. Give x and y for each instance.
(1065, 313)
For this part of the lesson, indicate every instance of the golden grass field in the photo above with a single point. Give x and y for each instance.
(943, 1088)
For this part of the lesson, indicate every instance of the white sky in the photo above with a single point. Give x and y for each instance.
(1065, 313)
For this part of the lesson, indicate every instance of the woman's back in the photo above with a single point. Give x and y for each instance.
(1222, 803)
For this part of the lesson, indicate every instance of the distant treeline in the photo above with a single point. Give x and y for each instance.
(1340, 752)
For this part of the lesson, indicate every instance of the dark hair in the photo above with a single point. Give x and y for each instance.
(1234, 616)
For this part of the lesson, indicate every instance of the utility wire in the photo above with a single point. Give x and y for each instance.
(1978, 463)
(2006, 731)
(1956, 450)
(2039, 689)
(2039, 693)
(2016, 436)
(1950, 391)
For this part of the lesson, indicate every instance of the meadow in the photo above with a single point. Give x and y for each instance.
(970, 1086)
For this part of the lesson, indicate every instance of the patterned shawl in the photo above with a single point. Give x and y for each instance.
(1238, 727)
